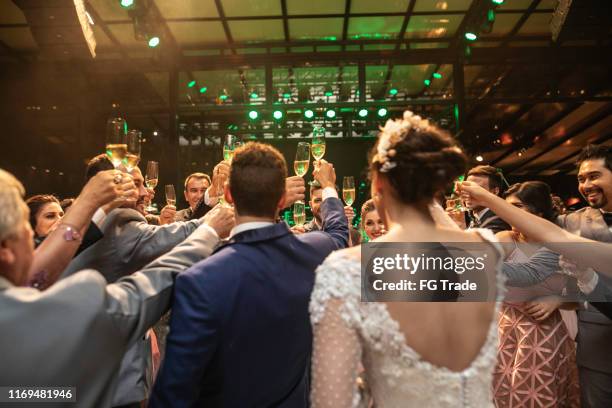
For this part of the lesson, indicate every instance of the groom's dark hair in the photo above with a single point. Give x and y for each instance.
(257, 179)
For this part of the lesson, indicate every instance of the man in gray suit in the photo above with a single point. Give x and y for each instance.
(75, 333)
(129, 243)
(594, 222)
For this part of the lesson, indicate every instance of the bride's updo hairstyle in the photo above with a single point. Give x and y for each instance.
(418, 158)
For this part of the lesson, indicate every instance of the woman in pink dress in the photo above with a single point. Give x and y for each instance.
(536, 365)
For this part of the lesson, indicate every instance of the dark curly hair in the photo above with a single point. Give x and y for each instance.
(427, 161)
(536, 196)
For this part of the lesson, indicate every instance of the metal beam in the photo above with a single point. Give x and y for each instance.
(345, 22)
(459, 95)
(226, 29)
(551, 122)
(602, 115)
(285, 22)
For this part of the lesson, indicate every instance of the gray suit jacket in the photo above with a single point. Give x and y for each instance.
(130, 243)
(594, 329)
(75, 333)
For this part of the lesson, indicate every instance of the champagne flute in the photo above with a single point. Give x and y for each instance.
(456, 197)
(151, 178)
(230, 144)
(170, 195)
(302, 159)
(116, 143)
(299, 213)
(348, 190)
(318, 143)
(134, 139)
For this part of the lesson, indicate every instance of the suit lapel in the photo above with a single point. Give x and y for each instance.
(595, 227)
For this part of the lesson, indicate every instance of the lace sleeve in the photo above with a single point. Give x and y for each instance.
(335, 361)
(336, 346)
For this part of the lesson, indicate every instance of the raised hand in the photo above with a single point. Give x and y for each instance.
(325, 174)
(221, 219)
(295, 190)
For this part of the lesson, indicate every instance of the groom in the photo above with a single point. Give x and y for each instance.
(240, 332)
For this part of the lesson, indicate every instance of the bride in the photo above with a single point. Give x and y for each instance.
(414, 353)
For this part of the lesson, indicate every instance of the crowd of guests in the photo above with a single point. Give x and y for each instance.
(223, 304)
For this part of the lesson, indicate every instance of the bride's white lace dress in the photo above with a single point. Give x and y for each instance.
(354, 332)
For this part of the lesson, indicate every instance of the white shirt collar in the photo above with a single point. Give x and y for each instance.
(249, 226)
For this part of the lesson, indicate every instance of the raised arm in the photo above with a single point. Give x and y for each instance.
(58, 249)
(597, 255)
(334, 219)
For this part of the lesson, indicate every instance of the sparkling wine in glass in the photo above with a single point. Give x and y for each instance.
(151, 178)
(170, 195)
(458, 203)
(230, 144)
(302, 159)
(348, 190)
(299, 213)
(318, 143)
(134, 140)
(116, 142)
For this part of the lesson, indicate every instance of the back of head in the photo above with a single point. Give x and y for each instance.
(491, 173)
(595, 152)
(536, 196)
(36, 203)
(257, 179)
(97, 164)
(11, 203)
(418, 159)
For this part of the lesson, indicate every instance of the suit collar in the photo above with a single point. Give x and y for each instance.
(273, 231)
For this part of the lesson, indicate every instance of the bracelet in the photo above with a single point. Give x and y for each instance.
(71, 233)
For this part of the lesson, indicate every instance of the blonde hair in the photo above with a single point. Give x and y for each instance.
(13, 207)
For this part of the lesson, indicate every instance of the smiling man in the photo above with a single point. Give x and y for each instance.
(594, 222)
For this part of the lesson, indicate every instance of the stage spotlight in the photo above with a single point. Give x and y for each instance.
(191, 84)
(382, 112)
(278, 115)
(427, 82)
(330, 113)
(393, 91)
(253, 115)
(203, 89)
(362, 113)
(153, 41)
(479, 158)
(126, 3)
(328, 90)
(498, 2)
(471, 36)
(254, 95)
(437, 75)
(309, 114)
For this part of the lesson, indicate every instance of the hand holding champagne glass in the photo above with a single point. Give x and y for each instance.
(348, 190)
(230, 144)
(116, 143)
(170, 195)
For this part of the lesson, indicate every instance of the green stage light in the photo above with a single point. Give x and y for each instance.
(308, 114)
(153, 42)
(278, 115)
(203, 89)
(491, 15)
(286, 95)
(330, 113)
(362, 113)
(191, 84)
(254, 95)
(253, 114)
(471, 36)
(393, 91)
(498, 2)
(382, 112)
(223, 97)
(427, 82)
(126, 3)
(437, 75)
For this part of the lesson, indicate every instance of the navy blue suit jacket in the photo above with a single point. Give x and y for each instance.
(240, 333)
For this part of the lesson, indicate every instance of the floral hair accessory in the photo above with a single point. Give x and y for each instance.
(394, 132)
